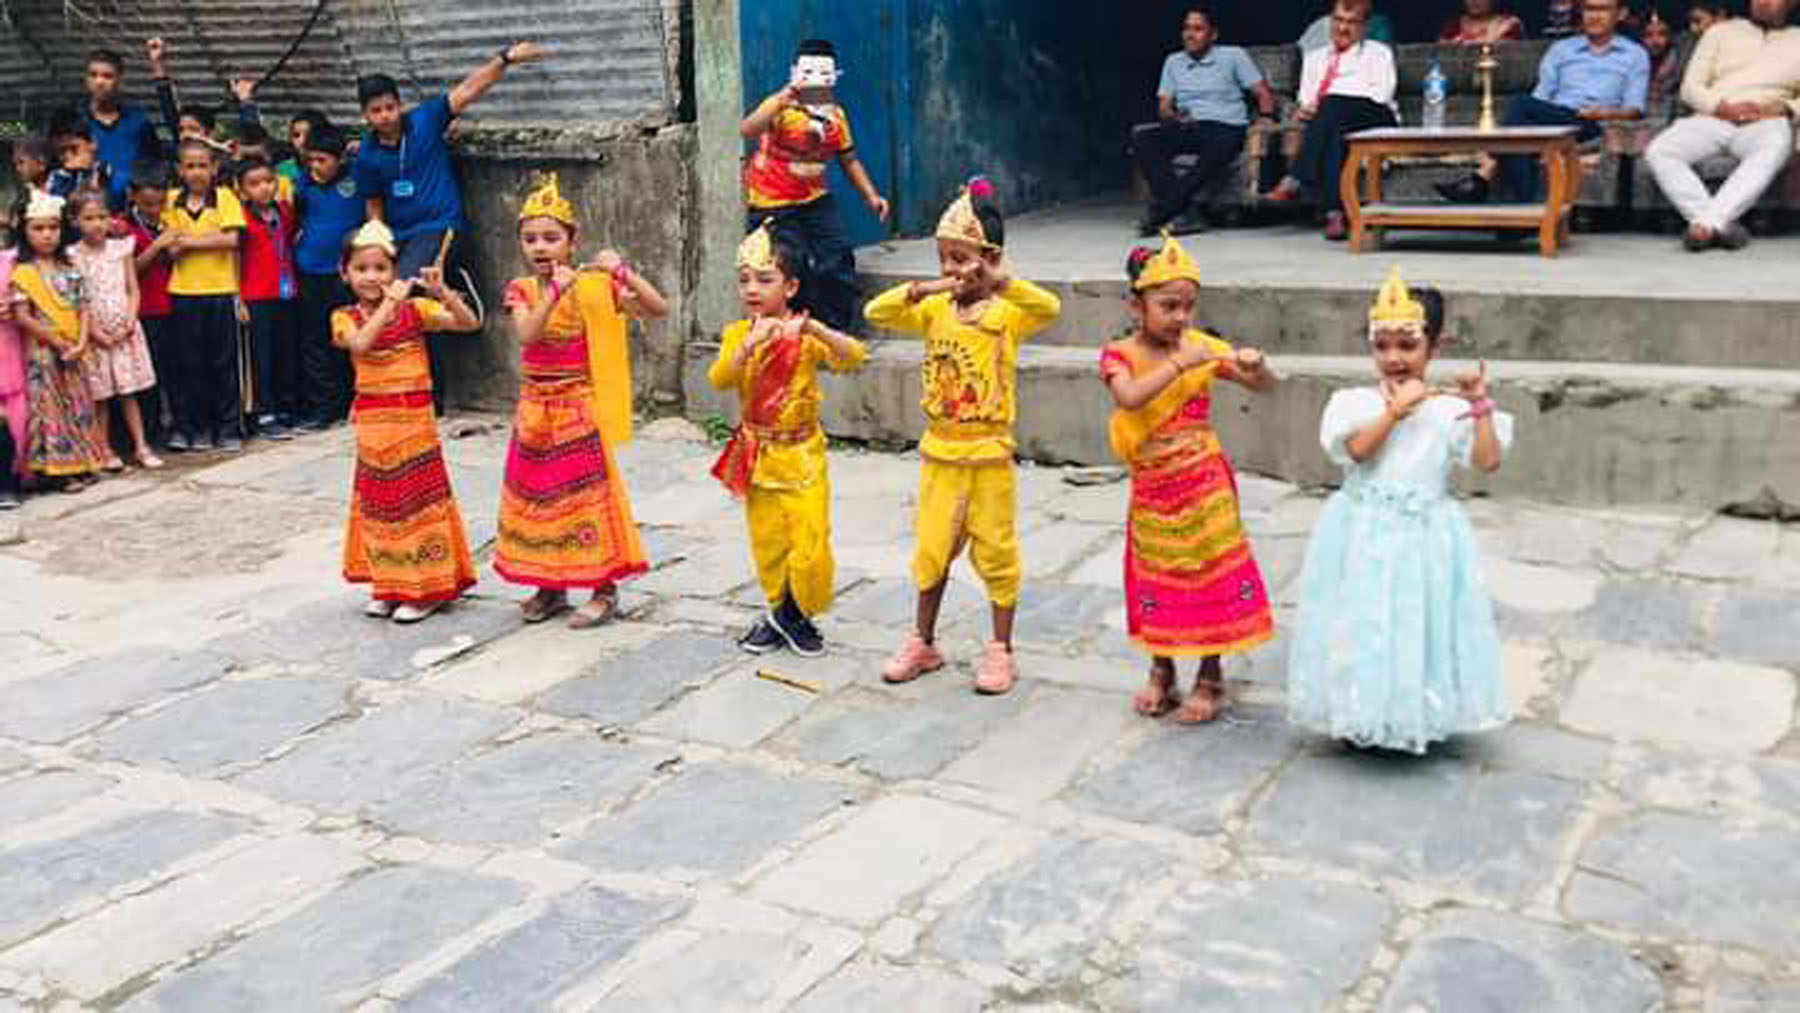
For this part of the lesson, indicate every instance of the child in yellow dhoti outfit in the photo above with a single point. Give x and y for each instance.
(776, 460)
(972, 319)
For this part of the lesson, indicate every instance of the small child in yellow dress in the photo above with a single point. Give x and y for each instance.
(973, 320)
(776, 459)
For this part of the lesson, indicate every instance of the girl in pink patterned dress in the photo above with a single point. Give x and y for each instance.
(117, 365)
(14, 397)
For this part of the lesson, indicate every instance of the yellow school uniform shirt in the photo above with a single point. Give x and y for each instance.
(204, 272)
(791, 454)
(969, 380)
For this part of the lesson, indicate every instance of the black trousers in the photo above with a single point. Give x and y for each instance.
(155, 401)
(326, 383)
(275, 352)
(1216, 145)
(208, 400)
(828, 288)
(10, 447)
(1323, 147)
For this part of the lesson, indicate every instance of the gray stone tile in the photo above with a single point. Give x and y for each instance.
(231, 723)
(1691, 877)
(29, 798)
(521, 794)
(898, 736)
(874, 987)
(1279, 944)
(893, 604)
(1760, 791)
(334, 637)
(720, 971)
(1056, 615)
(1760, 626)
(627, 689)
(1483, 960)
(1532, 747)
(1742, 995)
(337, 945)
(1434, 819)
(39, 880)
(1191, 778)
(327, 477)
(713, 819)
(526, 969)
(1039, 921)
(59, 705)
(12, 759)
(1643, 614)
(374, 757)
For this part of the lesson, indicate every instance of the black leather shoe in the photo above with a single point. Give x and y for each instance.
(1470, 189)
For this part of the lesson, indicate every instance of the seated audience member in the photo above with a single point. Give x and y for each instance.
(1584, 81)
(1482, 22)
(1705, 14)
(1345, 86)
(1318, 33)
(1201, 112)
(1668, 57)
(1743, 84)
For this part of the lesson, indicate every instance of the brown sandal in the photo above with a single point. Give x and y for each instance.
(1160, 696)
(598, 612)
(1204, 705)
(541, 606)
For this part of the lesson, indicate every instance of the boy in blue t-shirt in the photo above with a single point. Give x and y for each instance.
(330, 206)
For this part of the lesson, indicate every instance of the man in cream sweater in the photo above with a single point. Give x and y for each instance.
(1744, 86)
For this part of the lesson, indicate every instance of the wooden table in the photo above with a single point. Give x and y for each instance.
(1556, 147)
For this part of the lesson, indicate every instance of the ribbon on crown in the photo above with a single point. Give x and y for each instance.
(757, 251)
(43, 205)
(377, 235)
(960, 222)
(1395, 305)
(1171, 263)
(547, 201)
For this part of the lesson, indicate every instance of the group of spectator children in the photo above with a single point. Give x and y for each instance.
(135, 289)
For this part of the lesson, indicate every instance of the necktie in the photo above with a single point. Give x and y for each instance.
(1330, 78)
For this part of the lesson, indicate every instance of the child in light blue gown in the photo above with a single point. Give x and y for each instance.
(1395, 646)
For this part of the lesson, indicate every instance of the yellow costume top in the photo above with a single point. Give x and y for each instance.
(778, 391)
(969, 379)
(1131, 429)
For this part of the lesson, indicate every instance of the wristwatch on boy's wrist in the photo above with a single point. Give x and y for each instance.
(505, 55)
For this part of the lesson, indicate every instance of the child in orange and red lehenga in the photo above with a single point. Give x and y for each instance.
(565, 521)
(405, 537)
(1192, 588)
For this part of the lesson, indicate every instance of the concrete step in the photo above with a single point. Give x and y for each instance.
(1589, 433)
(1322, 319)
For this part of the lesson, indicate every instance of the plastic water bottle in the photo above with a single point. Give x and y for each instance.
(1437, 97)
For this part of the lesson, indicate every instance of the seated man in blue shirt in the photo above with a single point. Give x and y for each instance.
(1200, 103)
(1583, 81)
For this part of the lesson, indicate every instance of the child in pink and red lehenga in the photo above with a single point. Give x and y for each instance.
(13, 396)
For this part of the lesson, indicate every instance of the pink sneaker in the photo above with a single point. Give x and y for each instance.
(915, 658)
(998, 671)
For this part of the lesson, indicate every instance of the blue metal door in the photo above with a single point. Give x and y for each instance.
(870, 39)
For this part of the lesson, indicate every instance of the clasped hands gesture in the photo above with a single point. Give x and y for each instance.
(1404, 397)
(431, 279)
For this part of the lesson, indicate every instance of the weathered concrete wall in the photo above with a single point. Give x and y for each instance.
(1587, 434)
(632, 194)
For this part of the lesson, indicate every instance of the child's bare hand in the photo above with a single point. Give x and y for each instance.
(763, 329)
(524, 52)
(1473, 386)
(563, 277)
(243, 89)
(431, 279)
(608, 261)
(1190, 355)
(1250, 360)
(156, 50)
(74, 352)
(796, 325)
(398, 290)
(1405, 396)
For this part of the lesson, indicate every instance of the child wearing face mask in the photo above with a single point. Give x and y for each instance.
(1192, 586)
(799, 131)
(1395, 647)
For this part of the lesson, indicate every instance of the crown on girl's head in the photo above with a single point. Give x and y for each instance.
(960, 221)
(757, 251)
(547, 202)
(1395, 303)
(374, 234)
(43, 205)
(1171, 263)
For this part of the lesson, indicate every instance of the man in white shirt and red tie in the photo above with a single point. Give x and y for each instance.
(1345, 86)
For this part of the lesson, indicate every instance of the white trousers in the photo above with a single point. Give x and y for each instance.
(1761, 149)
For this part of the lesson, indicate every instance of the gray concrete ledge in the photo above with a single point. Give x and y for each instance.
(1589, 433)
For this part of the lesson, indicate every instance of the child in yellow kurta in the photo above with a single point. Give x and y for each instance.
(776, 460)
(973, 319)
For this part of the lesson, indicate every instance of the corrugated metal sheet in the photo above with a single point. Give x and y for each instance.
(611, 65)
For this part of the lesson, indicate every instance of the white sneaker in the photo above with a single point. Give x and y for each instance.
(378, 609)
(414, 612)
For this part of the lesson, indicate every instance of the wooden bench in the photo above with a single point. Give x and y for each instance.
(1370, 150)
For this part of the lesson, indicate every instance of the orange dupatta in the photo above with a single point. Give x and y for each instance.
(609, 355)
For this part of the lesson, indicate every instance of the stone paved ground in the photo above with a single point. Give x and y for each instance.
(223, 790)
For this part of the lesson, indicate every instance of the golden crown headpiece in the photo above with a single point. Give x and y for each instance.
(757, 251)
(377, 235)
(1171, 263)
(960, 220)
(1395, 304)
(547, 201)
(43, 205)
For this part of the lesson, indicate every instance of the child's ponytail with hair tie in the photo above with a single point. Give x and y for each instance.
(981, 188)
